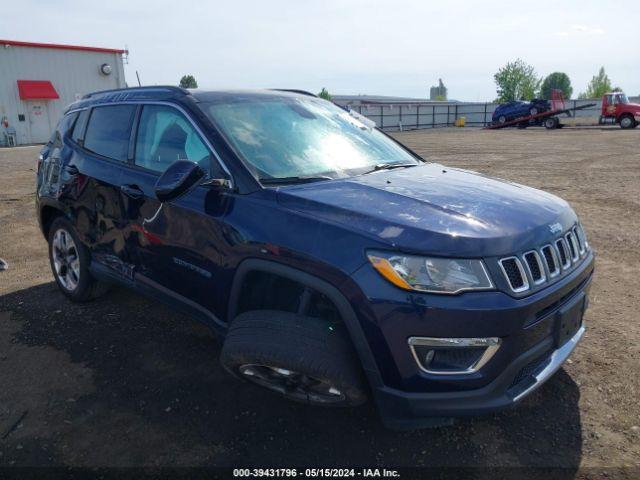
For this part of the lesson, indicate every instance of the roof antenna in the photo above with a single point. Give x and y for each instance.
(138, 76)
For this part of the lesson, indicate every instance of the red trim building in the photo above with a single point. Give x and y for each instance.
(38, 81)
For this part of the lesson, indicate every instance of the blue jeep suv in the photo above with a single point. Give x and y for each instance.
(510, 111)
(337, 264)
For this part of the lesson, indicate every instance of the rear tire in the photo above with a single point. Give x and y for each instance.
(551, 123)
(305, 359)
(70, 260)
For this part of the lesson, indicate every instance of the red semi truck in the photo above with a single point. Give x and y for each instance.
(616, 108)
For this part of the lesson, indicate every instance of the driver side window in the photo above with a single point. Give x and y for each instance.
(164, 136)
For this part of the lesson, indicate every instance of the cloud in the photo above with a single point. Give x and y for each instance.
(588, 30)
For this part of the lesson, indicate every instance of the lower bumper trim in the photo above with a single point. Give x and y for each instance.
(558, 357)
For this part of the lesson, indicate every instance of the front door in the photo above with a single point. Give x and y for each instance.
(39, 121)
(176, 246)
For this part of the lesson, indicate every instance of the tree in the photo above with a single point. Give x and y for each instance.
(188, 81)
(556, 81)
(324, 93)
(516, 81)
(598, 86)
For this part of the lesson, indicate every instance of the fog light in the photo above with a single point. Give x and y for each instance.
(452, 356)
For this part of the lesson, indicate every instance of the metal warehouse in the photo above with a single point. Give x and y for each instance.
(38, 80)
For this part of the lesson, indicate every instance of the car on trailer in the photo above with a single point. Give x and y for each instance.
(515, 109)
(547, 115)
(337, 264)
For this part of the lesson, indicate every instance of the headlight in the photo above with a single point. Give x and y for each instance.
(431, 274)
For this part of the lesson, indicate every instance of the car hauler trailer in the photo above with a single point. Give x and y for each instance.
(548, 119)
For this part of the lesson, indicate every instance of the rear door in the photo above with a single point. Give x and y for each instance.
(104, 143)
(177, 246)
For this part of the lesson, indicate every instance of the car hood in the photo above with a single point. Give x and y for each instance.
(633, 106)
(436, 209)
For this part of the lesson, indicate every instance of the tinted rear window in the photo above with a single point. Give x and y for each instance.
(78, 128)
(63, 127)
(109, 130)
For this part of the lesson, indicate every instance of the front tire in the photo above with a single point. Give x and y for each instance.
(70, 260)
(305, 359)
(627, 121)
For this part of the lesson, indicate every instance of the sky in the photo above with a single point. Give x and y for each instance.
(398, 48)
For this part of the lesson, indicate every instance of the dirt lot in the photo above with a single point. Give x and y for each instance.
(126, 382)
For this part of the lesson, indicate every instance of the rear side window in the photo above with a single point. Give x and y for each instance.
(63, 127)
(109, 130)
(78, 128)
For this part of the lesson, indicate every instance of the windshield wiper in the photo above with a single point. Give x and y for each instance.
(292, 180)
(390, 166)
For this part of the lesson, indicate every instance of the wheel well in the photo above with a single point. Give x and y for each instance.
(262, 290)
(47, 215)
(326, 301)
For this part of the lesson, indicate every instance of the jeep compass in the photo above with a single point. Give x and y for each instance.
(338, 265)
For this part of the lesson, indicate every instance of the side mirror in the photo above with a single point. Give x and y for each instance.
(178, 179)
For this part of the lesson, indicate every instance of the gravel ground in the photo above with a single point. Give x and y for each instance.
(127, 382)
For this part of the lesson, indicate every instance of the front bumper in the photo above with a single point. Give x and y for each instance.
(526, 374)
(529, 355)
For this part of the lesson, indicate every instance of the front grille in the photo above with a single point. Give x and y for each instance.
(515, 274)
(537, 266)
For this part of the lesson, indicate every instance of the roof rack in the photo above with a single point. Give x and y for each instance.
(293, 90)
(161, 88)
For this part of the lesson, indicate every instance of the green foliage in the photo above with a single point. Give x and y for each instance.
(324, 93)
(440, 98)
(188, 81)
(598, 86)
(516, 81)
(556, 81)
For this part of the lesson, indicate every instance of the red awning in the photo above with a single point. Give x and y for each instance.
(36, 90)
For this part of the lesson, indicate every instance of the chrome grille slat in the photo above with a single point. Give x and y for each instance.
(515, 274)
(563, 254)
(579, 240)
(553, 265)
(535, 267)
(573, 246)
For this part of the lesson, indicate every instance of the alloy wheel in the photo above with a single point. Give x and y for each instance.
(293, 385)
(66, 259)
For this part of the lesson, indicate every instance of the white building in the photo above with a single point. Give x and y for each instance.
(38, 80)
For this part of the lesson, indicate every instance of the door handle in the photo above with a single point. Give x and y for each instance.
(71, 170)
(132, 191)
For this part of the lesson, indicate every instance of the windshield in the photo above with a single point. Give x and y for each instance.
(289, 137)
